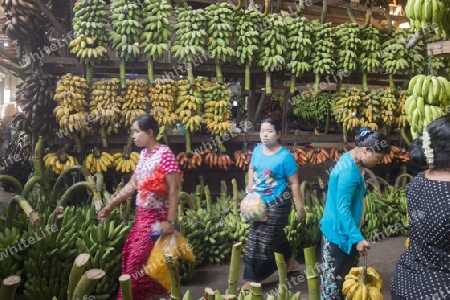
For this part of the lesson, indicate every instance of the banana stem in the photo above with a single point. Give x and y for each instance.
(103, 136)
(190, 72)
(247, 76)
(404, 137)
(208, 199)
(234, 269)
(282, 276)
(30, 184)
(87, 283)
(125, 285)
(235, 197)
(89, 74)
(220, 144)
(316, 83)
(344, 133)
(292, 85)
(365, 85)
(175, 287)
(27, 209)
(198, 196)
(76, 272)
(79, 185)
(388, 19)
(122, 73)
(40, 165)
(239, 5)
(14, 182)
(268, 83)
(391, 82)
(278, 6)
(312, 274)
(187, 136)
(151, 77)
(324, 11)
(9, 287)
(219, 75)
(368, 16)
(266, 8)
(350, 13)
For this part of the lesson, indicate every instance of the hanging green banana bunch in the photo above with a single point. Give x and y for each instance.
(349, 45)
(425, 14)
(323, 55)
(156, 31)
(393, 55)
(273, 47)
(247, 40)
(124, 35)
(190, 36)
(221, 32)
(299, 47)
(416, 57)
(369, 58)
(89, 25)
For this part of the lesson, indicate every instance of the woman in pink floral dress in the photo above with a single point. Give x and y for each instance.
(158, 161)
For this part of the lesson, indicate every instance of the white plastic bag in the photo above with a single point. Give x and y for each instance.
(253, 208)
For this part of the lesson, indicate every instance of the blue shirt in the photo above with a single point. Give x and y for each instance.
(344, 204)
(270, 172)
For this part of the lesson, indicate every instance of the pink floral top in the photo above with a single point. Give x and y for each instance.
(160, 156)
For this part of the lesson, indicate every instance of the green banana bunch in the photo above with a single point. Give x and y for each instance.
(125, 31)
(369, 58)
(237, 229)
(89, 24)
(11, 251)
(298, 47)
(247, 40)
(425, 14)
(430, 95)
(156, 32)
(217, 109)
(348, 107)
(304, 106)
(190, 36)
(394, 53)
(370, 109)
(416, 57)
(324, 48)
(272, 52)
(375, 209)
(400, 113)
(220, 31)
(348, 46)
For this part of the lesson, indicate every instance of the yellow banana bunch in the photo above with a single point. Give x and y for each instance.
(429, 100)
(96, 162)
(361, 284)
(217, 110)
(388, 106)
(124, 162)
(71, 112)
(135, 100)
(162, 99)
(58, 162)
(347, 108)
(402, 118)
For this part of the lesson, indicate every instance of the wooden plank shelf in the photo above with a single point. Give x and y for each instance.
(439, 48)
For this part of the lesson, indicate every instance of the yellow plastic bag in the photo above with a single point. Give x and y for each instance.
(253, 208)
(173, 244)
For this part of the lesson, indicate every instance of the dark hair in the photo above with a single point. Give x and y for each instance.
(439, 131)
(275, 122)
(146, 122)
(373, 139)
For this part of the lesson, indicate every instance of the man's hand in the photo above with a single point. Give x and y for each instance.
(363, 247)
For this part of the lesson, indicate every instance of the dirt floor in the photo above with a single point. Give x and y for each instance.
(382, 256)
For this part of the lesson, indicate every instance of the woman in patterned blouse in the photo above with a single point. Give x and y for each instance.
(151, 207)
(423, 271)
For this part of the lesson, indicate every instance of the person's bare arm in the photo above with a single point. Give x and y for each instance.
(173, 188)
(298, 199)
(250, 179)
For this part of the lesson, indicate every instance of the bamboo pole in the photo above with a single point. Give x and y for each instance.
(175, 287)
(8, 288)
(312, 274)
(234, 269)
(282, 276)
(125, 285)
(76, 272)
(87, 283)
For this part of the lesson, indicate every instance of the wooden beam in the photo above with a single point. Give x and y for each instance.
(437, 48)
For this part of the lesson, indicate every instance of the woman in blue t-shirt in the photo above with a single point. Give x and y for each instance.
(271, 166)
(342, 239)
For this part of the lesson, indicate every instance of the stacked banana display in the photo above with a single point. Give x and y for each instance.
(348, 46)
(217, 109)
(25, 22)
(247, 40)
(126, 162)
(430, 95)
(359, 286)
(272, 51)
(135, 101)
(35, 98)
(14, 265)
(298, 47)
(98, 162)
(220, 31)
(105, 107)
(125, 31)
(369, 58)
(394, 56)
(89, 25)
(162, 98)
(425, 14)
(324, 48)
(190, 37)
(189, 103)
(156, 31)
(71, 111)
(58, 162)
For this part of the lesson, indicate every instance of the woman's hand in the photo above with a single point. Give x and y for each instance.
(363, 247)
(167, 228)
(103, 214)
(301, 214)
(249, 188)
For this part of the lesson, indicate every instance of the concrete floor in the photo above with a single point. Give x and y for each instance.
(382, 256)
